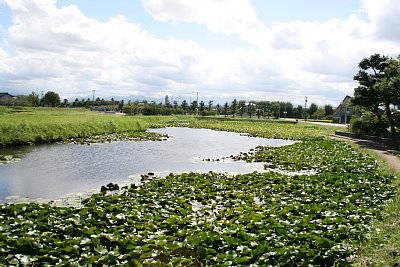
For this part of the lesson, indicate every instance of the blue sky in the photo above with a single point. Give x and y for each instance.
(244, 49)
(269, 11)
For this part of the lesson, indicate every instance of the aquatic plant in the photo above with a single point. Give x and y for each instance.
(313, 153)
(266, 129)
(202, 219)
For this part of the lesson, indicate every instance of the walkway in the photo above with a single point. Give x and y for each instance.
(390, 154)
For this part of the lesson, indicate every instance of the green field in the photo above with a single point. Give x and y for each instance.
(336, 216)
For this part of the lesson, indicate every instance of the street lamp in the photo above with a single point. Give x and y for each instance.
(305, 109)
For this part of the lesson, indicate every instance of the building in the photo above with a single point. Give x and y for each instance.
(345, 111)
(6, 99)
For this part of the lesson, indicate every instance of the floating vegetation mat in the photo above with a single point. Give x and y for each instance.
(213, 219)
(5, 159)
(201, 219)
(108, 138)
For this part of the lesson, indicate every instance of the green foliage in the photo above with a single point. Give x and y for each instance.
(34, 99)
(316, 154)
(369, 125)
(51, 99)
(312, 109)
(379, 80)
(328, 110)
(148, 109)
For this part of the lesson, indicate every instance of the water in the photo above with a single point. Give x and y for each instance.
(51, 171)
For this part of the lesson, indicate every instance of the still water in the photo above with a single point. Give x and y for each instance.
(51, 171)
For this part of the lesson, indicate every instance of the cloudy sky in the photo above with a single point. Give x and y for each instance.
(223, 49)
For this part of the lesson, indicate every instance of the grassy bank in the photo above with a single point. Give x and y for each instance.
(20, 126)
(381, 247)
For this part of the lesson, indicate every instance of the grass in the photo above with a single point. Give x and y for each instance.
(21, 126)
(382, 246)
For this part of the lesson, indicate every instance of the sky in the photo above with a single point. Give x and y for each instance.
(282, 50)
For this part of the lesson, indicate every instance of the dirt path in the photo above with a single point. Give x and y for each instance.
(391, 155)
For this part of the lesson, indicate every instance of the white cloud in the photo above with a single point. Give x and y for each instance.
(384, 15)
(228, 17)
(62, 49)
(223, 15)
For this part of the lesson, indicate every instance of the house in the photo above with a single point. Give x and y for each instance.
(345, 111)
(6, 98)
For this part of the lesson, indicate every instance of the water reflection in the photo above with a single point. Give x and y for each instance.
(51, 171)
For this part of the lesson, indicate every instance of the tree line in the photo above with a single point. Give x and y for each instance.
(235, 108)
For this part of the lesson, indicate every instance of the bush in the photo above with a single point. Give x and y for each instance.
(369, 125)
(335, 119)
(358, 126)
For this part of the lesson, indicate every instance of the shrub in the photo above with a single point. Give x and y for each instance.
(369, 125)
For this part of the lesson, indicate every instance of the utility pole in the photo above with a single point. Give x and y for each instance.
(93, 95)
(197, 104)
(305, 109)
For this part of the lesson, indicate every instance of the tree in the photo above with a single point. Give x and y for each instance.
(266, 108)
(226, 109)
(328, 110)
(312, 109)
(218, 107)
(286, 109)
(242, 107)
(121, 106)
(34, 100)
(193, 106)
(65, 103)
(378, 79)
(275, 109)
(251, 108)
(201, 104)
(319, 114)
(51, 99)
(184, 105)
(298, 111)
(234, 106)
(210, 103)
